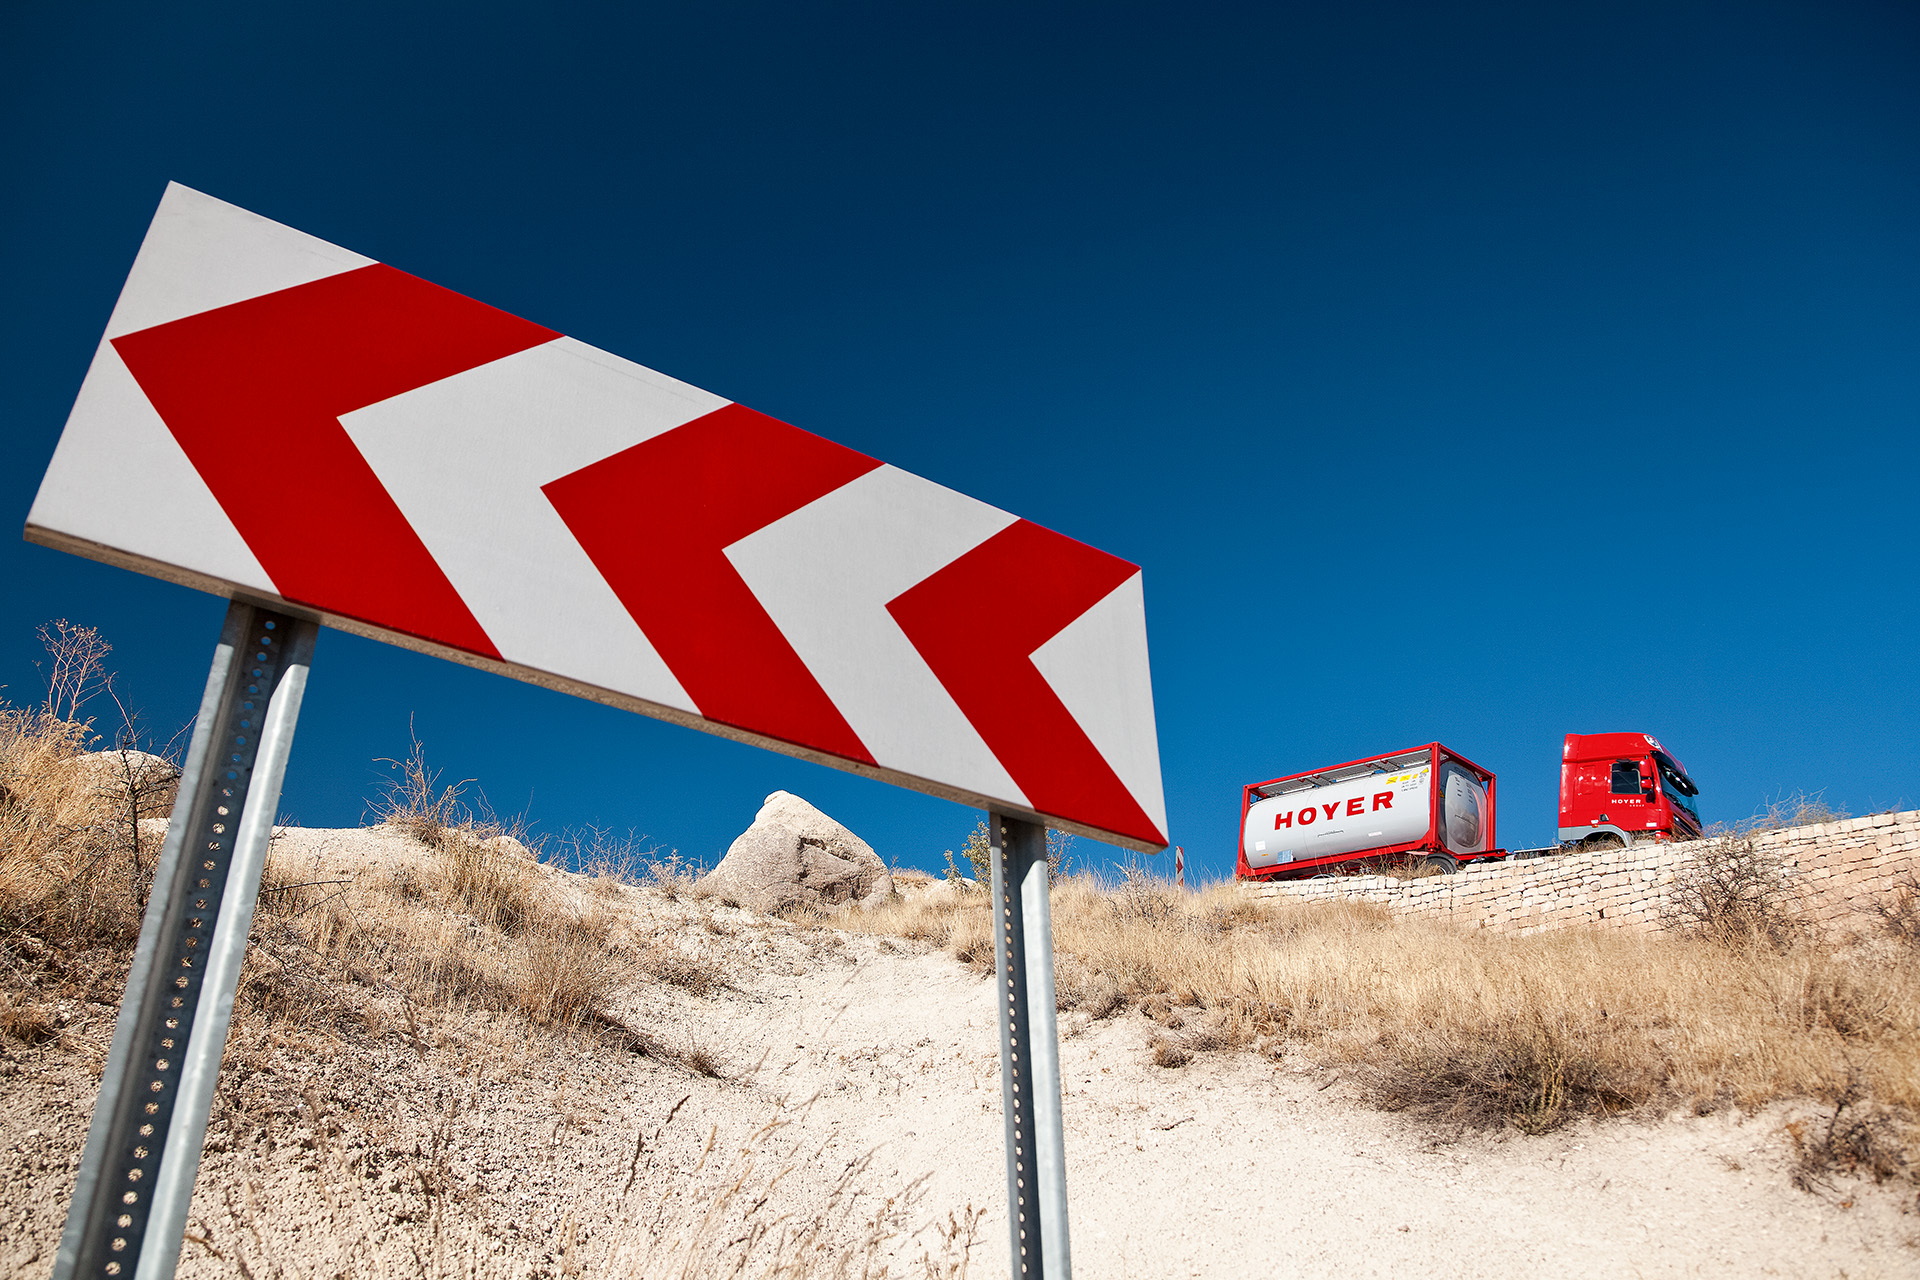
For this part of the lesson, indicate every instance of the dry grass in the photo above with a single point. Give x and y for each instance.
(1476, 1027)
(477, 922)
(614, 863)
(665, 962)
(477, 926)
(729, 1220)
(74, 868)
(741, 1210)
(472, 921)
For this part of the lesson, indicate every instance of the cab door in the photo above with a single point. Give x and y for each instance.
(1631, 791)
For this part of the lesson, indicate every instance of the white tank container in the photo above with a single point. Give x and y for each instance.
(1374, 812)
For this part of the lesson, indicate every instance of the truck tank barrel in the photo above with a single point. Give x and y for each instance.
(1378, 811)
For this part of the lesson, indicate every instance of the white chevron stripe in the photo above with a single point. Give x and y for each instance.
(203, 253)
(1098, 666)
(464, 459)
(118, 477)
(825, 574)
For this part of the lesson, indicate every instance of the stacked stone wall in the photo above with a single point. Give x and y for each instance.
(1834, 873)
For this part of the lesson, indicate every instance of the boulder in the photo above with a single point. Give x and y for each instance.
(796, 856)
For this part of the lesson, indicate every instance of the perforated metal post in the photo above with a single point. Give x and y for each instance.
(143, 1148)
(1029, 1051)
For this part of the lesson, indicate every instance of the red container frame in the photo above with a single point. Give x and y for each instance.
(1429, 843)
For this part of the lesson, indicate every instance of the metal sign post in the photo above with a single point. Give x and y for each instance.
(136, 1176)
(1029, 1051)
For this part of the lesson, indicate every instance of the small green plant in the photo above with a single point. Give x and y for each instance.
(979, 855)
(978, 852)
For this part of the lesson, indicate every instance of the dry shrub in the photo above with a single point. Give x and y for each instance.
(612, 863)
(59, 845)
(1858, 1138)
(807, 914)
(1535, 1074)
(1798, 809)
(673, 876)
(1899, 912)
(1482, 1026)
(702, 1062)
(1167, 1053)
(26, 1023)
(978, 852)
(562, 971)
(669, 964)
(75, 669)
(1735, 893)
(1142, 896)
(416, 803)
(75, 868)
(489, 873)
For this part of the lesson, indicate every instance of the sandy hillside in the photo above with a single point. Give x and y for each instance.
(792, 1091)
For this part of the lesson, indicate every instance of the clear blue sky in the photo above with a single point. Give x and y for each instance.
(1479, 373)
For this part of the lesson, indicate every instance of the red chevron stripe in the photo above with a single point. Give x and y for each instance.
(977, 623)
(656, 520)
(254, 392)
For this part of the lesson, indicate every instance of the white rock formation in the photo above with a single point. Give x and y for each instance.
(795, 855)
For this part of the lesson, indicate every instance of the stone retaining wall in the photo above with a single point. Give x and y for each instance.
(1835, 871)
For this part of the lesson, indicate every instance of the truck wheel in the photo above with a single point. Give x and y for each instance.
(1603, 840)
(1440, 863)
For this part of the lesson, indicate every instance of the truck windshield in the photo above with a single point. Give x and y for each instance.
(1679, 787)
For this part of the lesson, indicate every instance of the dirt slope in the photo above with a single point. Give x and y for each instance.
(403, 1141)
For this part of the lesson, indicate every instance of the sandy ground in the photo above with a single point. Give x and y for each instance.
(460, 1144)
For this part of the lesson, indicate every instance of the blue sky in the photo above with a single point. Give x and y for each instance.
(1471, 373)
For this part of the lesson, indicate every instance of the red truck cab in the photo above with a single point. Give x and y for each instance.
(1624, 789)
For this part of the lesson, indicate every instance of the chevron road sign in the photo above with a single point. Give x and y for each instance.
(324, 439)
(275, 418)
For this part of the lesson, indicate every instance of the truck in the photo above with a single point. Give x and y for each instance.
(1431, 808)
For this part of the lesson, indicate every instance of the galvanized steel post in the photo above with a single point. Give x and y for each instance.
(1029, 1051)
(136, 1175)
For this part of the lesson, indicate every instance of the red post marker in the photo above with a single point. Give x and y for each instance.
(1180, 867)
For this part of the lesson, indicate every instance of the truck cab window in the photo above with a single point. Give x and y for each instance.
(1626, 777)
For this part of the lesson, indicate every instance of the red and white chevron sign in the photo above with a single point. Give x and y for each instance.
(273, 416)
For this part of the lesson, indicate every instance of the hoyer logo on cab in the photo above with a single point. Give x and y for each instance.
(1356, 807)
